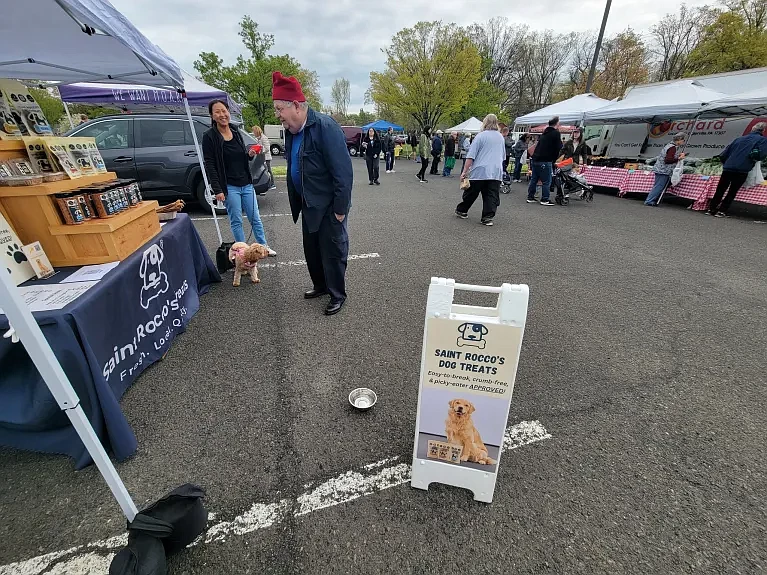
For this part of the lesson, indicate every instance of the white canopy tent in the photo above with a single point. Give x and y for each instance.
(570, 111)
(77, 41)
(470, 126)
(751, 103)
(655, 103)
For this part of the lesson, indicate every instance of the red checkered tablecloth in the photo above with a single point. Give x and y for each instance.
(638, 182)
(692, 187)
(603, 176)
(754, 195)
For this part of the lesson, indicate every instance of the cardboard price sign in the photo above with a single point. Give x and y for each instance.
(468, 366)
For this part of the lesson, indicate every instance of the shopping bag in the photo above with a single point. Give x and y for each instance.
(754, 177)
(676, 175)
(523, 158)
(465, 184)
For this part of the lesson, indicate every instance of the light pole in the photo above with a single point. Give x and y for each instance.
(593, 69)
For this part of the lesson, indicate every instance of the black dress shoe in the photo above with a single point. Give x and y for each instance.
(334, 307)
(313, 293)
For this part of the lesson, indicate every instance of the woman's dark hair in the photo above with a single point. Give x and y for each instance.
(523, 137)
(213, 103)
(426, 131)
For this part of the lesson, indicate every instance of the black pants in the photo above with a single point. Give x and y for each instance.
(490, 197)
(422, 171)
(372, 168)
(268, 164)
(505, 164)
(326, 252)
(434, 163)
(732, 180)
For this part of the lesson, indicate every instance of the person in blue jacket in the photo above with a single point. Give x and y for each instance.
(436, 152)
(739, 158)
(320, 179)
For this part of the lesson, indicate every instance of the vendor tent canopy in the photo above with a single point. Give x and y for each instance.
(470, 126)
(655, 103)
(570, 111)
(148, 98)
(381, 125)
(752, 103)
(79, 41)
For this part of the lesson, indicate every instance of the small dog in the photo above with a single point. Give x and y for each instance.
(461, 431)
(245, 257)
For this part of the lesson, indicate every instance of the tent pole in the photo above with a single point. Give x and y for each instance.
(69, 116)
(50, 369)
(202, 167)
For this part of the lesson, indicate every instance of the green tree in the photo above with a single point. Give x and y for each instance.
(249, 79)
(734, 41)
(431, 71)
(486, 99)
(52, 106)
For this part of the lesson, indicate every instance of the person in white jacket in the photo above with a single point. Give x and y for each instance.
(261, 138)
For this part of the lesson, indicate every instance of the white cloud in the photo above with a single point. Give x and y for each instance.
(344, 38)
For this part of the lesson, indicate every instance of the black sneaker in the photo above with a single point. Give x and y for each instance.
(462, 215)
(720, 215)
(531, 201)
(486, 222)
(548, 203)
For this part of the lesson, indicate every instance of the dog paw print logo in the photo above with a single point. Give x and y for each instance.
(472, 334)
(14, 252)
(155, 280)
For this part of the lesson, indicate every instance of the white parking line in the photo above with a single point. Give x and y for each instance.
(94, 558)
(303, 262)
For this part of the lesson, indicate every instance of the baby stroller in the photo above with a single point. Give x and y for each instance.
(506, 182)
(566, 181)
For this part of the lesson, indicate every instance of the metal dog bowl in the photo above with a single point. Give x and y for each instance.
(363, 398)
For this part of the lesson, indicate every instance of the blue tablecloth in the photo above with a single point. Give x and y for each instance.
(104, 340)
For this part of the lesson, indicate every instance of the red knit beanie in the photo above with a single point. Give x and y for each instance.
(288, 89)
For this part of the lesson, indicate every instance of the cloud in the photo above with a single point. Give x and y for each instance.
(345, 38)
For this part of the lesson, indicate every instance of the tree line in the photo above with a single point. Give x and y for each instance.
(442, 74)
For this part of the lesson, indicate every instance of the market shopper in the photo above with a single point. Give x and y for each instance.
(389, 143)
(664, 167)
(509, 143)
(450, 146)
(739, 158)
(436, 152)
(423, 153)
(546, 152)
(520, 147)
(227, 163)
(576, 149)
(483, 168)
(266, 146)
(320, 179)
(372, 146)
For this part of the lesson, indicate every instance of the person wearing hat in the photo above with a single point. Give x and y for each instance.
(320, 179)
(664, 167)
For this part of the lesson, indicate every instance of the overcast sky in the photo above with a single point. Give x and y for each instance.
(344, 38)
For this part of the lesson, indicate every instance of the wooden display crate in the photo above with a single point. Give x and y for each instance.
(34, 215)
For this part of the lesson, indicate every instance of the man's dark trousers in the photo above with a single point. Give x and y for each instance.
(729, 179)
(326, 252)
(434, 162)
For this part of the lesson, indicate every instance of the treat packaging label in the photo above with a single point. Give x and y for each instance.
(39, 261)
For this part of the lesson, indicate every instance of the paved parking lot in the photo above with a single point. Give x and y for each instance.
(637, 424)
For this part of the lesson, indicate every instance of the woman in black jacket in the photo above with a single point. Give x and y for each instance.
(372, 146)
(227, 163)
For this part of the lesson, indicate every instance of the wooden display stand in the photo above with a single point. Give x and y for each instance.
(34, 215)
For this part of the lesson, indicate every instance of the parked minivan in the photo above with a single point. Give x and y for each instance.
(158, 151)
(276, 135)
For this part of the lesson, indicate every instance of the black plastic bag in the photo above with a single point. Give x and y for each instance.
(223, 263)
(144, 555)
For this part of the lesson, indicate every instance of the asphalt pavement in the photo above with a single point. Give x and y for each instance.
(643, 359)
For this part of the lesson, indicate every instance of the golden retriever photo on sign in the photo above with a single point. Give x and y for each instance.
(460, 430)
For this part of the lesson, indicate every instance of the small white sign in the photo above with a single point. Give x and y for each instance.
(90, 273)
(468, 368)
(12, 256)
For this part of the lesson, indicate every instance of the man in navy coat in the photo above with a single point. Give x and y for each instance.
(320, 179)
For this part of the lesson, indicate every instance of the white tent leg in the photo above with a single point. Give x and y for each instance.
(69, 116)
(42, 355)
(202, 167)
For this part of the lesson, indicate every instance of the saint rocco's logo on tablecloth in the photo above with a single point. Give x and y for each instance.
(163, 316)
(155, 280)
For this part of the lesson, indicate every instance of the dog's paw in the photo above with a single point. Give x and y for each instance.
(236, 284)
(256, 281)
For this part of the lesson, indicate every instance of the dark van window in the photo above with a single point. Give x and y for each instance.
(156, 133)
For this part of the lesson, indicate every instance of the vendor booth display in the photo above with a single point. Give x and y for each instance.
(470, 126)
(570, 111)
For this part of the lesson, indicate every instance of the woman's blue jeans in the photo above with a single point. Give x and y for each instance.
(239, 198)
(661, 181)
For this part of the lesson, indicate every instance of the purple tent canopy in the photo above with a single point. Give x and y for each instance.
(129, 97)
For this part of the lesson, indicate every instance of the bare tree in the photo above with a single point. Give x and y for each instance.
(754, 12)
(340, 96)
(675, 36)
